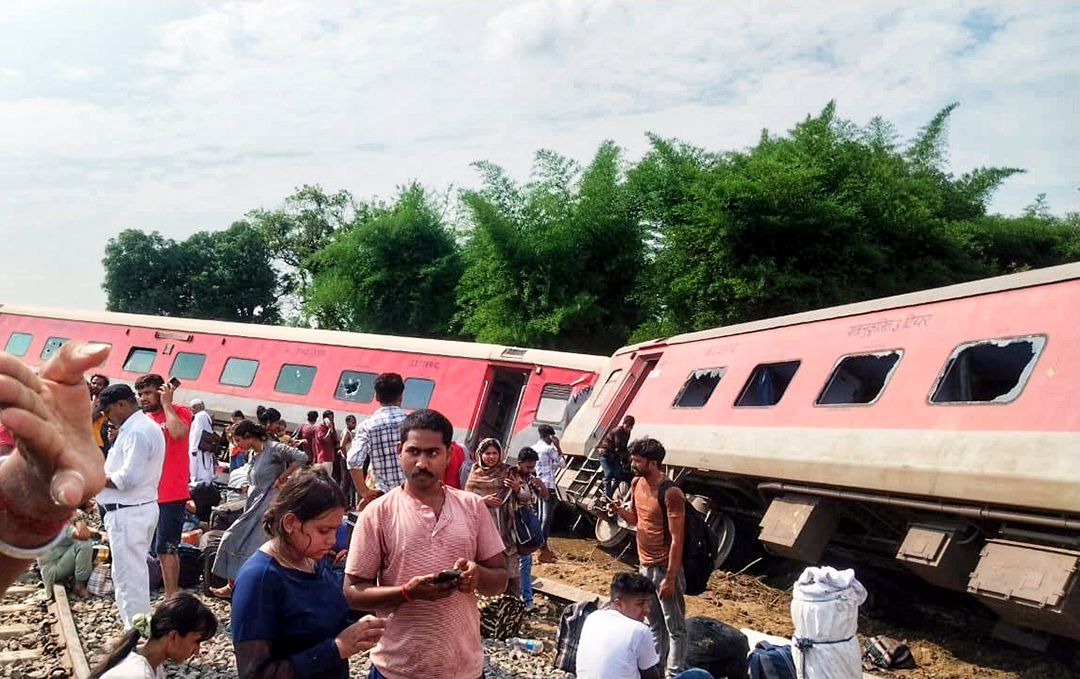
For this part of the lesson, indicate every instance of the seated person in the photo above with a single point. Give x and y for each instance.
(72, 556)
(615, 643)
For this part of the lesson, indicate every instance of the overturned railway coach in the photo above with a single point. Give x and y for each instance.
(938, 430)
(485, 390)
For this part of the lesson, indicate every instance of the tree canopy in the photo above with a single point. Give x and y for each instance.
(589, 257)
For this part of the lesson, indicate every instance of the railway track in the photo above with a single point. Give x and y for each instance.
(38, 639)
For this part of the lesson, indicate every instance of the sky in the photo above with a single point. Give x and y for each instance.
(182, 116)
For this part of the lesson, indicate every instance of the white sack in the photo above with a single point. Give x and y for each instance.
(825, 608)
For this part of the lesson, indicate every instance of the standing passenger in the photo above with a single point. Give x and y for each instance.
(613, 454)
(289, 615)
(488, 480)
(660, 541)
(551, 460)
(326, 443)
(272, 464)
(400, 545)
(201, 461)
(530, 491)
(100, 423)
(307, 433)
(237, 458)
(132, 473)
(156, 400)
(377, 439)
(342, 460)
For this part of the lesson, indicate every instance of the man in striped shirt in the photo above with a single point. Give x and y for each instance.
(376, 439)
(402, 546)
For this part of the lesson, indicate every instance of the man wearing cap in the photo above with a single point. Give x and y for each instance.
(132, 473)
(201, 462)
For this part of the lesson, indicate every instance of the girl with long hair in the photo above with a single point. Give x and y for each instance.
(289, 614)
(174, 632)
(272, 463)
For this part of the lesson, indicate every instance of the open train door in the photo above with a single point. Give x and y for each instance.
(609, 532)
(499, 403)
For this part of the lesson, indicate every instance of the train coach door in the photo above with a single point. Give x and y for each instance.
(620, 403)
(499, 405)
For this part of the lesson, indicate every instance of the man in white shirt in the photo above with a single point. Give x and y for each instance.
(201, 462)
(615, 643)
(132, 473)
(551, 460)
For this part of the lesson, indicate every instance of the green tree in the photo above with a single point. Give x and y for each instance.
(224, 275)
(556, 262)
(829, 213)
(394, 271)
(304, 224)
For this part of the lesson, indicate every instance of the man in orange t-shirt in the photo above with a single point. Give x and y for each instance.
(156, 400)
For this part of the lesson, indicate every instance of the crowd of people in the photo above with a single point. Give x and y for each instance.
(435, 528)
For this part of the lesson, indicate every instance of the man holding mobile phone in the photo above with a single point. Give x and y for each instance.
(418, 555)
(156, 400)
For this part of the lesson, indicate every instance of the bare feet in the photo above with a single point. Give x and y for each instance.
(79, 590)
(546, 555)
(223, 592)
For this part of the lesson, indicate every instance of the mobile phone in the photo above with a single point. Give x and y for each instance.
(175, 383)
(447, 576)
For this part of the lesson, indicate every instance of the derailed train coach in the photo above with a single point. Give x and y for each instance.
(938, 431)
(485, 390)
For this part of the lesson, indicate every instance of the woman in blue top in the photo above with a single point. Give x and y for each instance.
(289, 615)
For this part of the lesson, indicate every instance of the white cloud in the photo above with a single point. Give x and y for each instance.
(185, 116)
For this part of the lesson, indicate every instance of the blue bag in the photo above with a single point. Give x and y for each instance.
(771, 662)
(527, 531)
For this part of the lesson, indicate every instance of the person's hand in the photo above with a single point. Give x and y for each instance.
(492, 500)
(513, 483)
(424, 588)
(555, 440)
(536, 484)
(667, 588)
(56, 466)
(167, 391)
(469, 572)
(360, 636)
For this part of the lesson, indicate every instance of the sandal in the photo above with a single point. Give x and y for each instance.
(223, 592)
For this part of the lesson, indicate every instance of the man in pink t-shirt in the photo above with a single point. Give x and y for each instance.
(400, 547)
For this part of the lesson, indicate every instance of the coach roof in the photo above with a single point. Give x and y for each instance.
(1027, 279)
(416, 345)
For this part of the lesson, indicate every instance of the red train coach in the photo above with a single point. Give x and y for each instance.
(939, 430)
(485, 390)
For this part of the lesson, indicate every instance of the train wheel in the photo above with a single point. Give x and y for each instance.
(609, 533)
(725, 530)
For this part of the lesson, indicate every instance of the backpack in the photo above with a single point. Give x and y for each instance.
(700, 543)
(771, 662)
(566, 640)
(527, 532)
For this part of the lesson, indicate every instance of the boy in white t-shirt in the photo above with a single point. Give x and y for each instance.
(616, 644)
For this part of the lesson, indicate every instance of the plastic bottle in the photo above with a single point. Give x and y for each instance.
(527, 645)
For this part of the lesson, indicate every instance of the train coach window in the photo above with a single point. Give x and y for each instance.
(356, 386)
(553, 400)
(767, 384)
(989, 371)
(140, 360)
(187, 365)
(859, 379)
(295, 379)
(239, 372)
(417, 393)
(51, 345)
(611, 381)
(698, 387)
(18, 343)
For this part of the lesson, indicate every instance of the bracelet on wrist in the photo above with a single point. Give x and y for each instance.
(405, 595)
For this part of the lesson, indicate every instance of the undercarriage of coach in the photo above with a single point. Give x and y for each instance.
(1023, 565)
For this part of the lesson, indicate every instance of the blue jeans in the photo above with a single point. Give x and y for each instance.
(546, 510)
(525, 568)
(612, 470)
(693, 673)
(667, 619)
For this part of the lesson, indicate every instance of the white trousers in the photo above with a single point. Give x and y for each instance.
(131, 530)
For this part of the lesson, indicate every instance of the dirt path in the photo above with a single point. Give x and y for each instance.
(945, 648)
